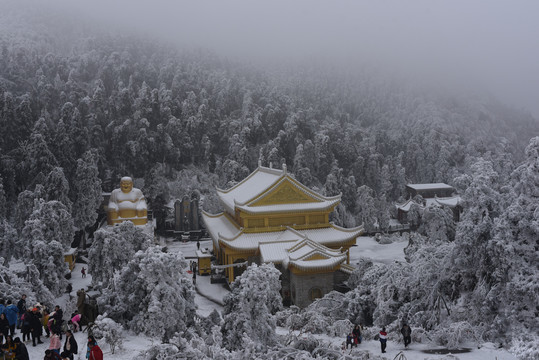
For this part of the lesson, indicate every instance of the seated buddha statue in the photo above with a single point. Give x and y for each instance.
(127, 203)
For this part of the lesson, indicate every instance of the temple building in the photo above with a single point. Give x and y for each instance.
(437, 194)
(271, 217)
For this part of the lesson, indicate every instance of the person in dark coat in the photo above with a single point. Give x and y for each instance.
(21, 352)
(4, 327)
(58, 314)
(406, 332)
(357, 334)
(51, 355)
(35, 327)
(58, 320)
(70, 345)
(350, 341)
(21, 305)
(25, 328)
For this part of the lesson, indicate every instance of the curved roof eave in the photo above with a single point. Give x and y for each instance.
(247, 208)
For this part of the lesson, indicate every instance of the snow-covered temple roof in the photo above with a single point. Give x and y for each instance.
(451, 201)
(307, 255)
(429, 186)
(304, 254)
(406, 206)
(252, 194)
(258, 181)
(223, 229)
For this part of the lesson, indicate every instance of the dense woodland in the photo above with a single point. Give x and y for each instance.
(79, 109)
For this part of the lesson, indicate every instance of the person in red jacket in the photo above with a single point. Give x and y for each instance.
(383, 339)
(95, 352)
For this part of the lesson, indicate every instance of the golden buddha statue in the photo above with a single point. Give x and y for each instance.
(127, 203)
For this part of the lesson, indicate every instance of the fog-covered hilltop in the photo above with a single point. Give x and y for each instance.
(80, 107)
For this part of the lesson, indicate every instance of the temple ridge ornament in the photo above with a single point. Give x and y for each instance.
(127, 204)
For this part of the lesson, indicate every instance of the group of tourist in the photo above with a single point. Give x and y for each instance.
(354, 338)
(33, 321)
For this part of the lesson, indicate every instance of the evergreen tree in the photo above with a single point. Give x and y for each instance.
(8, 240)
(515, 247)
(57, 187)
(367, 211)
(152, 294)
(249, 308)
(87, 190)
(112, 249)
(45, 238)
(3, 205)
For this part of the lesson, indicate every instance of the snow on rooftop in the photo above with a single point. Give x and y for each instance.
(297, 207)
(429, 186)
(251, 186)
(218, 225)
(275, 252)
(222, 228)
(203, 254)
(449, 201)
(71, 251)
(319, 264)
(331, 236)
(406, 206)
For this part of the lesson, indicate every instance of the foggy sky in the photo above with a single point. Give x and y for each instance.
(491, 45)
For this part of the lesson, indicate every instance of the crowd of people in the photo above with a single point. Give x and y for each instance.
(32, 322)
(354, 338)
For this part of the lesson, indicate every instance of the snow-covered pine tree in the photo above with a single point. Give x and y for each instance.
(367, 210)
(515, 244)
(8, 239)
(112, 249)
(57, 187)
(152, 294)
(46, 254)
(250, 307)
(87, 189)
(2, 200)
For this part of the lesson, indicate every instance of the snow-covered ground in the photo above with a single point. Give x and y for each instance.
(210, 295)
(367, 247)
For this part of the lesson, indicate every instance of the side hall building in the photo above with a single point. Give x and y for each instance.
(271, 217)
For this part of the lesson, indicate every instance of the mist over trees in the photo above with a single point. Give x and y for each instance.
(79, 109)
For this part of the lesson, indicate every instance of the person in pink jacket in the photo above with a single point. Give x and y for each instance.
(75, 321)
(55, 344)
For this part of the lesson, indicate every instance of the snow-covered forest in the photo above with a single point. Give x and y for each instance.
(80, 107)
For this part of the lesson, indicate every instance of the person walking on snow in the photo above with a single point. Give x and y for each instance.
(21, 305)
(55, 344)
(71, 347)
(95, 352)
(36, 326)
(406, 332)
(383, 339)
(357, 334)
(83, 272)
(12, 313)
(4, 327)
